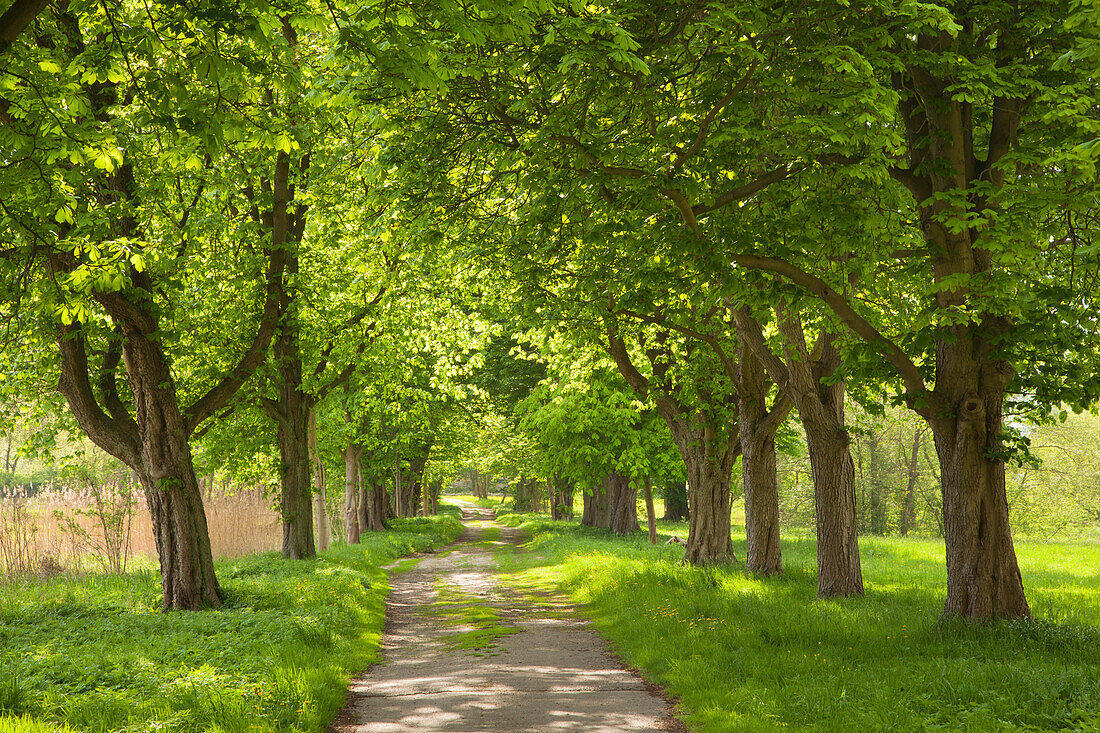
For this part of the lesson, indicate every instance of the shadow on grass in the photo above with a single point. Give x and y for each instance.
(747, 653)
(97, 653)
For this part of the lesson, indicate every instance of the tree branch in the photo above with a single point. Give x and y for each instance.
(120, 438)
(683, 155)
(18, 16)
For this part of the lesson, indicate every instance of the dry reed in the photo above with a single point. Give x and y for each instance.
(37, 531)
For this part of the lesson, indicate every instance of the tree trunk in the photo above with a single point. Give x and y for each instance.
(875, 518)
(709, 454)
(595, 508)
(398, 489)
(561, 506)
(351, 493)
(983, 576)
(822, 413)
(838, 567)
(757, 428)
(909, 503)
(324, 530)
(181, 536)
(650, 513)
(676, 501)
(808, 380)
(374, 504)
(708, 449)
(431, 504)
(522, 501)
(415, 486)
(290, 410)
(167, 474)
(622, 504)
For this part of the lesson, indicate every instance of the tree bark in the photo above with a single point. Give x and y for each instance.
(983, 575)
(167, 474)
(909, 502)
(622, 504)
(595, 508)
(650, 512)
(805, 379)
(351, 493)
(708, 449)
(676, 501)
(324, 530)
(758, 426)
(709, 454)
(952, 183)
(158, 451)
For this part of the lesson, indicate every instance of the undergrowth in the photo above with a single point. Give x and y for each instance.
(99, 655)
(751, 654)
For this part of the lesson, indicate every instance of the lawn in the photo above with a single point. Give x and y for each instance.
(747, 654)
(97, 654)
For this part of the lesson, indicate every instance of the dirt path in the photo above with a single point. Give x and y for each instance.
(461, 653)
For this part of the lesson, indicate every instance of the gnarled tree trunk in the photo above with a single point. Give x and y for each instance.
(167, 475)
(983, 575)
(708, 449)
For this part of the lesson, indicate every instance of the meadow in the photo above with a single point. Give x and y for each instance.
(749, 654)
(95, 652)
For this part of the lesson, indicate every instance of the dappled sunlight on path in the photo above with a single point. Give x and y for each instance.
(462, 653)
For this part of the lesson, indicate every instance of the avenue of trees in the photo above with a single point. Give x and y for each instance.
(603, 248)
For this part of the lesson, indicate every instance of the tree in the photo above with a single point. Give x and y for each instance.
(113, 264)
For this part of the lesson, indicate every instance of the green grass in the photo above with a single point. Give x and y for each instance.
(487, 503)
(98, 654)
(746, 654)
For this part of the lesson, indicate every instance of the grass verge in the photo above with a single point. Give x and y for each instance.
(97, 654)
(750, 654)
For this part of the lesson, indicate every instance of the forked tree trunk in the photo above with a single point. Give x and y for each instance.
(708, 449)
(805, 379)
(154, 443)
(757, 429)
(983, 575)
(622, 504)
(957, 199)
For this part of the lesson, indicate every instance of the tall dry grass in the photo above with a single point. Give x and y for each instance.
(60, 529)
